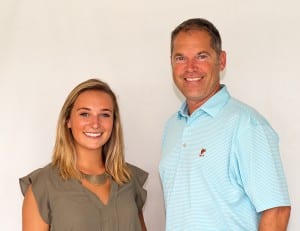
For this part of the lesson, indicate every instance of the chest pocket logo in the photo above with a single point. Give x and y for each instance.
(202, 152)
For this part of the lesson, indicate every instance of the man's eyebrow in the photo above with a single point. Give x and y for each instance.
(177, 54)
(203, 52)
(199, 53)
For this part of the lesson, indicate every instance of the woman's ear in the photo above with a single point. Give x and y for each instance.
(69, 124)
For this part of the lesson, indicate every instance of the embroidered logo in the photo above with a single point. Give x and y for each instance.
(202, 152)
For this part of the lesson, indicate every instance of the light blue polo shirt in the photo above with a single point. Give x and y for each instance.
(220, 167)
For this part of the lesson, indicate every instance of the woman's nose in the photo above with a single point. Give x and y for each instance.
(95, 122)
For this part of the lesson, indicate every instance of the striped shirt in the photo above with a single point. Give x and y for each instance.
(220, 167)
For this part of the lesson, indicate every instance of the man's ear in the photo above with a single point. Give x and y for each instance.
(222, 60)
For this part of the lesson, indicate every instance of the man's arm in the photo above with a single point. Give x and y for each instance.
(275, 219)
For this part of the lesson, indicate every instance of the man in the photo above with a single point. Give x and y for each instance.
(220, 168)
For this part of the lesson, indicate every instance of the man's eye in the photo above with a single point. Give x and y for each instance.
(202, 57)
(179, 59)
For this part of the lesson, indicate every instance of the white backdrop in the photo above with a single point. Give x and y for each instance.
(47, 47)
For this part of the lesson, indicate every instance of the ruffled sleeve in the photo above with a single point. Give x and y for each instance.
(38, 180)
(139, 178)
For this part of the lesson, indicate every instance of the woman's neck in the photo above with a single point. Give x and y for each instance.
(90, 162)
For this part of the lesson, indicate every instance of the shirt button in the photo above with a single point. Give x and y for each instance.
(184, 145)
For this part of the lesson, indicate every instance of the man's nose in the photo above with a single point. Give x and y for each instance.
(191, 65)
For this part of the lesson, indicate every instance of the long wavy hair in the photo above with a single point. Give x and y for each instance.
(64, 153)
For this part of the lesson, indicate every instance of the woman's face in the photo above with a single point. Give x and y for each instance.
(91, 120)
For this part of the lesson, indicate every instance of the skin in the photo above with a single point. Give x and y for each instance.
(275, 219)
(91, 122)
(196, 71)
(31, 218)
(196, 67)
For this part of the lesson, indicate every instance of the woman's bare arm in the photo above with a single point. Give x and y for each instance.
(31, 218)
(143, 224)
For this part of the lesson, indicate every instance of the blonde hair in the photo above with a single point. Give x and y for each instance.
(64, 153)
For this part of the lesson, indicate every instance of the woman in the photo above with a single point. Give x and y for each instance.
(88, 186)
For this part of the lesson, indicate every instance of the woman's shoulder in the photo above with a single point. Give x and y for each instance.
(137, 173)
(139, 177)
(38, 177)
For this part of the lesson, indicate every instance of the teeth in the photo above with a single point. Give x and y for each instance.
(93, 134)
(193, 79)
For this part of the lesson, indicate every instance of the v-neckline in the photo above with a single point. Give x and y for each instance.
(97, 199)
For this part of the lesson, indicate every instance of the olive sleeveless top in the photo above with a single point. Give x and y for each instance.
(68, 205)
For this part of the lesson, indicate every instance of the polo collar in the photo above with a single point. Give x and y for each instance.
(211, 107)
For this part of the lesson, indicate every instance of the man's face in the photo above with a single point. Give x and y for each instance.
(196, 67)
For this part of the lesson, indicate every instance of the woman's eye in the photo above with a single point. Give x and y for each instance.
(106, 115)
(84, 114)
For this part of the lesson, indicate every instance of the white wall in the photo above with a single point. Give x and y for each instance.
(48, 47)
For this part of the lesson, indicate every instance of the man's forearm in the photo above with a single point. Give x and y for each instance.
(275, 219)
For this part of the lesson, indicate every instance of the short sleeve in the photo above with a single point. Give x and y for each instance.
(139, 178)
(261, 168)
(38, 180)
